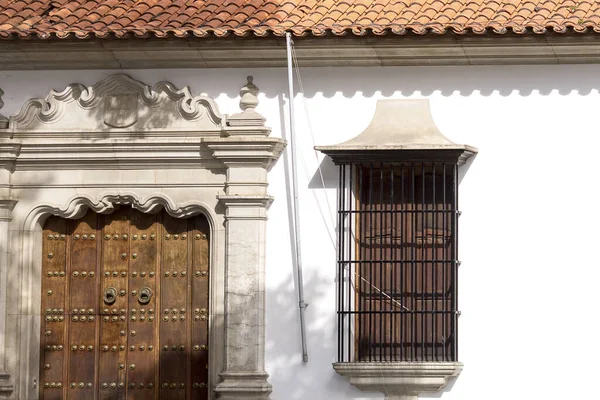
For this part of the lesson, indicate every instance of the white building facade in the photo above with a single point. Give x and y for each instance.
(528, 228)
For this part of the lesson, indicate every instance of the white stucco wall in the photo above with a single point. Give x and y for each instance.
(528, 233)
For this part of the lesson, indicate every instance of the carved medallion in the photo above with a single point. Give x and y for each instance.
(120, 110)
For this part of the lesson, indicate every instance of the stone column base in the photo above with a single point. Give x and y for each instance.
(399, 380)
(6, 386)
(243, 385)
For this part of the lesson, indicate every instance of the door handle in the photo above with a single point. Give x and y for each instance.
(145, 295)
(110, 295)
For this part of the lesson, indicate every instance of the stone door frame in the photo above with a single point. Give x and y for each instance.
(152, 148)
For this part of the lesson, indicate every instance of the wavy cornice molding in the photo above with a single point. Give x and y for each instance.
(53, 107)
(105, 204)
(3, 119)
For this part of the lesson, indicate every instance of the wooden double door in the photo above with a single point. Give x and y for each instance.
(124, 307)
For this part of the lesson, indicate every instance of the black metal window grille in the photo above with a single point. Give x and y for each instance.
(397, 262)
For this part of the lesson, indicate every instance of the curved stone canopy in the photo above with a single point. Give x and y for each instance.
(399, 125)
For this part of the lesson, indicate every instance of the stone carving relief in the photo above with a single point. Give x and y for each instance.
(120, 102)
(121, 110)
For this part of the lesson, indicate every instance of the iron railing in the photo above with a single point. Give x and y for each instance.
(397, 262)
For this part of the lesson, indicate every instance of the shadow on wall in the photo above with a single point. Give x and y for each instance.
(408, 81)
(447, 81)
(290, 377)
(326, 176)
(330, 82)
(293, 379)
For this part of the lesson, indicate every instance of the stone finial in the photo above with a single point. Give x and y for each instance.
(3, 119)
(248, 92)
(248, 117)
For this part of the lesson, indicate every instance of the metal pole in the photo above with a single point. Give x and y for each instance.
(296, 210)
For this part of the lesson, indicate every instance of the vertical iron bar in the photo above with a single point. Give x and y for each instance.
(455, 258)
(434, 257)
(380, 281)
(341, 275)
(350, 266)
(394, 272)
(358, 267)
(422, 311)
(413, 250)
(445, 265)
(370, 278)
(403, 265)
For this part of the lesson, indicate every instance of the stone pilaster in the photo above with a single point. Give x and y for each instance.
(6, 207)
(245, 227)
(248, 153)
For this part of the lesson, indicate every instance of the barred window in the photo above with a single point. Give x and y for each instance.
(397, 261)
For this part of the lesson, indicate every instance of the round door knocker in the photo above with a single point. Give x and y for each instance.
(145, 295)
(110, 295)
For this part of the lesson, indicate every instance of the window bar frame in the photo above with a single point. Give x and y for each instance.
(404, 266)
(369, 302)
(379, 282)
(355, 266)
(445, 265)
(349, 257)
(455, 266)
(340, 260)
(413, 265)
(422, 312)
(400, 256)
(392, 270)
(433, 254)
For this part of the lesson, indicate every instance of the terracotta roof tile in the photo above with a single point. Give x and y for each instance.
(201, 18)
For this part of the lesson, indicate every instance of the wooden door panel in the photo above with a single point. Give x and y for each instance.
(175, 310)
(113, 327)
(82, 307)
(125, 307)
(142, 347)
(54, 271)
(200, 307)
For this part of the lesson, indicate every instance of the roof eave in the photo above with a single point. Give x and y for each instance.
(328, 51)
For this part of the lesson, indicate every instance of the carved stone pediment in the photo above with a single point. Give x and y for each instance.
(119, 102)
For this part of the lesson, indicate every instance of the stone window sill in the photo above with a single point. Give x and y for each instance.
(399, 380)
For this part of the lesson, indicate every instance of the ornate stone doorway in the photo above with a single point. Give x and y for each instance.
(76, 162)
(125, 305)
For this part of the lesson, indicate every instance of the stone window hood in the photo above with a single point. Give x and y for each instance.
(401, 130)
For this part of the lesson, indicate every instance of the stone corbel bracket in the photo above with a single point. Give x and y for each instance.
(8, 155)
(399, 380)
(262, 151)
